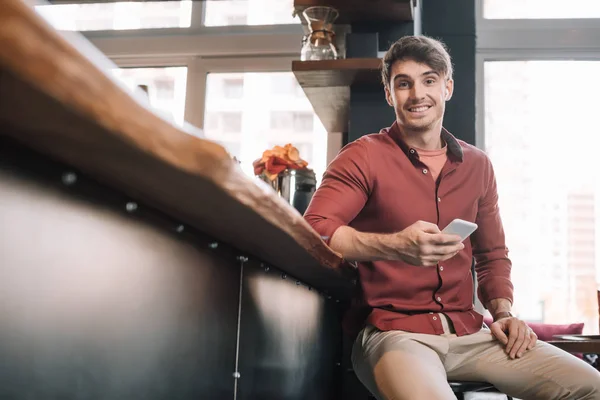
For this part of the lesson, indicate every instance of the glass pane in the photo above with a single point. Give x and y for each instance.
(118, 15)
(533, 9)
(249, 12)
(260, 115)
(166, 87)
(541, 144)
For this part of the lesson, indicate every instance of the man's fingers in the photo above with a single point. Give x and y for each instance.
(445, 239)
(428, 227)
(520, 338)
(513, 335)
(523, 347)
(533, 340)
(443, 251)
(498, 333)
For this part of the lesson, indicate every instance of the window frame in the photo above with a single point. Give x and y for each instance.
(205, 49)
(528, 39)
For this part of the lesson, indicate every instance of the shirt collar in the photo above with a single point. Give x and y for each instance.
(454, 147)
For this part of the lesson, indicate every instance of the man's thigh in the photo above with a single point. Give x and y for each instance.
(392, 365)
(544, 372)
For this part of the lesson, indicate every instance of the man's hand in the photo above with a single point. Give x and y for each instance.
(515, 335)
(422, 243)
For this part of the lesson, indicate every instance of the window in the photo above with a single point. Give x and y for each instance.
(285, 85)
(527, 127)
(233, 88)
(118, 15)
(166, 87)
(265, 119)
(292, 120)
(534, 9)
(303, 121)
(249, 12)
(231, 122)
(281, 120)
(227, 122)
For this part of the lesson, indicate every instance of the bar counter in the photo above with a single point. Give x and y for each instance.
(136, 259)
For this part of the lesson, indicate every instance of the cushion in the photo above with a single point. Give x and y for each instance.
(546, 332)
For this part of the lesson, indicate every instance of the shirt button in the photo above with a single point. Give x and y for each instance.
(439, 200)
(441, 268)
(435, 318)
(424, 170)
(439, 299)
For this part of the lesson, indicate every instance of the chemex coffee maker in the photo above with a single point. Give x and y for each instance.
(318, 42)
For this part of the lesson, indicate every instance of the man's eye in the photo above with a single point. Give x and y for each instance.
(403, 84)
(430, 81)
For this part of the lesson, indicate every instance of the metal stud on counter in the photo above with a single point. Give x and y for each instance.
(213, 245)
(180, 229)
(69, 178)
(131, 206)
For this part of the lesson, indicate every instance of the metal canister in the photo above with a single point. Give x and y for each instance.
(296, 186)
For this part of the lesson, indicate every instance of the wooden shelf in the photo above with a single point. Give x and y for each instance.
(327, 85)
(364, 10)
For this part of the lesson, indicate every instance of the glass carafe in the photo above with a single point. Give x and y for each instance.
(319, 41)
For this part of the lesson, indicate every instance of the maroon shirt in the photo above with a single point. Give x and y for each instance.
(377, 184)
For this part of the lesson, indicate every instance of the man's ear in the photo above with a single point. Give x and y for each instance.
(449, 89)
(388, 97)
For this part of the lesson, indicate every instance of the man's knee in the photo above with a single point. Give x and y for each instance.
(587, 384)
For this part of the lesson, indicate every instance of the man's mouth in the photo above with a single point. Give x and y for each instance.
(419, 108)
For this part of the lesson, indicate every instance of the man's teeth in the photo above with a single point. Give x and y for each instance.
(419, 109)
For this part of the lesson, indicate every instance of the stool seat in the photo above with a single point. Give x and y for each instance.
(467, 386)
(461, 387)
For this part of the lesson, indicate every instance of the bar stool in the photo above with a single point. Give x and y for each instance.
(460, 388)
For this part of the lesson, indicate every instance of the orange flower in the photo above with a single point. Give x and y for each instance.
(277, 160)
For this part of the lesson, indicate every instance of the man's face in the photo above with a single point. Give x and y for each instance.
(418, 95)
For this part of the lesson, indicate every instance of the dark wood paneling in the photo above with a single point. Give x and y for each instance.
(290, 342)
(454, 24)
(97, 304)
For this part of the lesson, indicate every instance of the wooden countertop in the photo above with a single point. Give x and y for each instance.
(57, 97)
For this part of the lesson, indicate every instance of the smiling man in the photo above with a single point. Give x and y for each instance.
(382, 203)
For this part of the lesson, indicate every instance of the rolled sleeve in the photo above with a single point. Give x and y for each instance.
(489, 247)
(343, 192)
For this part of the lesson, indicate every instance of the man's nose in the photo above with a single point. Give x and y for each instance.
(417, 92)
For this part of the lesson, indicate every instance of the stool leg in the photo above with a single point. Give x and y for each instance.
(460, 396)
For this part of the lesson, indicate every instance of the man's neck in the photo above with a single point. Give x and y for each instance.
(426, 140)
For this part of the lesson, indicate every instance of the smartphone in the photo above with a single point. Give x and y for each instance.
(462, 228)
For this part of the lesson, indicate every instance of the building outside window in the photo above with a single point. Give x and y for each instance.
(543, 151)
(118, 15)
(248, 12)
(540, 9)
(267, 118)
(166, 88)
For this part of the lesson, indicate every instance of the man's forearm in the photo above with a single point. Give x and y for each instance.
(498, 306)
(360, 246)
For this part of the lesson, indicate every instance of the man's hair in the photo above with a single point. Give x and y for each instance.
(422, 49)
